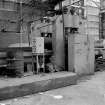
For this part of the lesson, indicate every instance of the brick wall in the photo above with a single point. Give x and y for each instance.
(8, 38)
(9, 22)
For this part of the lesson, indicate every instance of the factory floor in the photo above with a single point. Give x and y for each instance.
(17, 87)
(89, 90)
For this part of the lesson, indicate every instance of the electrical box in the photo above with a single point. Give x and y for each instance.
(71, 20)
(38, 45)
(68, 20)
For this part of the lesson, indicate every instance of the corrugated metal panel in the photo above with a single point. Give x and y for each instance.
(93, 18)
(93, 31)
(92, 10)
(93, 25)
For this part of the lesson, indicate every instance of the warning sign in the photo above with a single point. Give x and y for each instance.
(38, 45)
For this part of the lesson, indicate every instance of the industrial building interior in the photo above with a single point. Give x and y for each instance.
(52, 52)
(47, 36)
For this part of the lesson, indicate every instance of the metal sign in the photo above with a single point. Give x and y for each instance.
(38, 45)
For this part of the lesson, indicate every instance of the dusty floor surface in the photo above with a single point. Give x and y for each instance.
(90, 90)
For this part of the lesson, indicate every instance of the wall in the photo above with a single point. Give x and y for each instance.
(9, 21)
(92, 13)
(93, 21)
(11, 38)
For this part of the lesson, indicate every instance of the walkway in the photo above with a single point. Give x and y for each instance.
(90, 90)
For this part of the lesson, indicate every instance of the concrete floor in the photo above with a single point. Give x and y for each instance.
(90, 90)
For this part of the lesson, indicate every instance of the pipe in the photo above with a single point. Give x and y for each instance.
(21, 23)
(60, 5)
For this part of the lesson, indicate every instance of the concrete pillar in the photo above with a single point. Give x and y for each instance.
(59, 43)
(81, 54)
